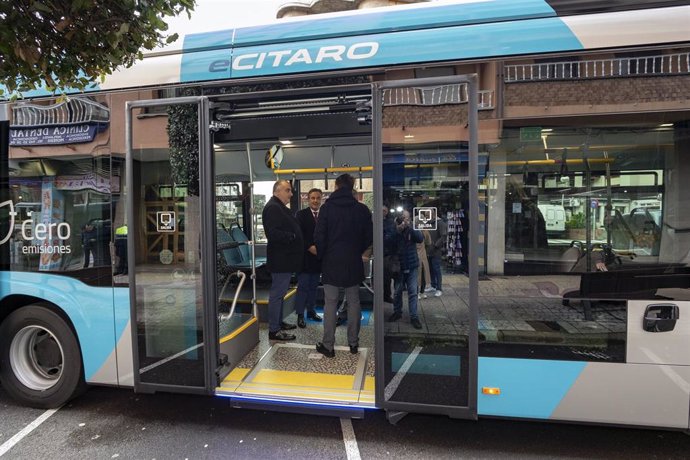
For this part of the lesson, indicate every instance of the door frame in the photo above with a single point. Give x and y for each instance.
(397, 409)
(207, 264)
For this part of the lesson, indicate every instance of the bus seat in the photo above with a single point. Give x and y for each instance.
(238, 235)
(232, 256)
(245, 251)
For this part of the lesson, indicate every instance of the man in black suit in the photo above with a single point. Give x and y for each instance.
(308, 280)
(283, 253)
(343, 234)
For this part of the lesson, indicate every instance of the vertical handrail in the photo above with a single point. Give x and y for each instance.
(252, 216)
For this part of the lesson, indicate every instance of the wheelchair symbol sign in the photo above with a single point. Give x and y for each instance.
(424, 218)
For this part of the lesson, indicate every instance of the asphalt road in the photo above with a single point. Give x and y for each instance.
(109, 423)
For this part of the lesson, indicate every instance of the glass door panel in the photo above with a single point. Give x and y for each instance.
(164, 237)
(427, 132)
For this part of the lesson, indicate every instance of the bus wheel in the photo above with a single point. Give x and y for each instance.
(40, 361)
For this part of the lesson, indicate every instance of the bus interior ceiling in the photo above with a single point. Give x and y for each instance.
(312, 135)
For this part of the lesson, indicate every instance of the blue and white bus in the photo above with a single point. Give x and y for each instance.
(133, 253)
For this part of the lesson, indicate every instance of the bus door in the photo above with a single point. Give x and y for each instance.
(426, 201)
(168, 193)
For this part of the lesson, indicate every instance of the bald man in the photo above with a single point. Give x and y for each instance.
(284, 255)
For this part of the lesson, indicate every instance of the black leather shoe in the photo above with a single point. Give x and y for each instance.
(321, 348)
(416, 323)
(395, 316)
(300, 321)
(388, 299)
(354, 349)
(287, 326)
(312, 315)
(280, 335)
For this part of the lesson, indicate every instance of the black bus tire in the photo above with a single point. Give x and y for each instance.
(40, 361)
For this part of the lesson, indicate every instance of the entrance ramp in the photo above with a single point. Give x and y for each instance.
(296, 375)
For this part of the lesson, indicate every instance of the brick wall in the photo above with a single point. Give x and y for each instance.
(429, 115)
(612, 91)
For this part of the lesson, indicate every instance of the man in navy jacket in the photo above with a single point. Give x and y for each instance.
(283, 253)
(308, 279)
(343, 234)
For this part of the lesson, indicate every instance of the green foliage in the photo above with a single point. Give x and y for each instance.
(576, 221)
(74, 43)
(183, 138)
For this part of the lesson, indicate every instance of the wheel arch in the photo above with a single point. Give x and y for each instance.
(14, 302)
(87, 310)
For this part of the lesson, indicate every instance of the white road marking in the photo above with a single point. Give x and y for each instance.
(349, 438)
(170, 358)
(392, 387)
(27, 429)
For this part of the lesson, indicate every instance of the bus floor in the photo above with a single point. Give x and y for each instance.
(295, 371)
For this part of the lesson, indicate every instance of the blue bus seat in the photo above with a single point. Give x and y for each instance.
(232, 256)
(241, 256)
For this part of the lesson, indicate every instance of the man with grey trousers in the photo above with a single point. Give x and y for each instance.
(343, 233)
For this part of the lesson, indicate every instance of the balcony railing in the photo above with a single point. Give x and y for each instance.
(70, 112)
(438, 95)
(666, 64)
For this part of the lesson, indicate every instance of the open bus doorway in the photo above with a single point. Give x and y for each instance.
(317, 138)
(199, 288)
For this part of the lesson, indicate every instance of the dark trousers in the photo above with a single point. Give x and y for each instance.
(387, 279)
(121, 253)
(280, 282)
(88, 251)
(307, 285)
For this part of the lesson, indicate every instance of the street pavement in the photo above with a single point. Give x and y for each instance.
(110, 423)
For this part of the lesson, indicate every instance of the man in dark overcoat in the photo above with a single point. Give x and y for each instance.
(308, 279)
(283, 253)
(343, 235)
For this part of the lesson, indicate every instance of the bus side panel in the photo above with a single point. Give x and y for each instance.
(630, 394)
(616, 393)
(125, 355)
(90, 309)
(118, 367)
(530, 388)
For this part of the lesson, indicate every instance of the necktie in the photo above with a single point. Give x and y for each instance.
(316, 215)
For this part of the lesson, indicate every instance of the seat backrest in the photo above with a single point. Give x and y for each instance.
(233, 256)
(569, 258)
(240, 237)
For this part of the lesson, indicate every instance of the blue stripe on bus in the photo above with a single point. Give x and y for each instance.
(216, 39)
(429, 364)
(393, 19)
(530, 388)
(90, 309)
(463, 42)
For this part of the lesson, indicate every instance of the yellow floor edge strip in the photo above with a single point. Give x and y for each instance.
(304, 379)
(237, 331)
(299, 395)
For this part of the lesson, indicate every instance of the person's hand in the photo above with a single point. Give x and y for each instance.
(312, 249)
(601, 266)
(365, 258)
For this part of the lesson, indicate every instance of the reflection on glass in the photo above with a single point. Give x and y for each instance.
(575, 225)
(63, 214)
(167, 234)
(426, 198)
